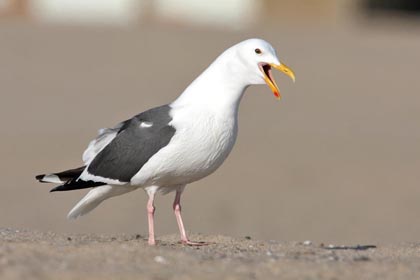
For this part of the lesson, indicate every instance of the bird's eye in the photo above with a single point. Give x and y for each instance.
(258, 51)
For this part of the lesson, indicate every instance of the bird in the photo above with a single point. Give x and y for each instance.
(165, 148)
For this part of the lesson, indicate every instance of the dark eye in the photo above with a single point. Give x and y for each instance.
(258, 51)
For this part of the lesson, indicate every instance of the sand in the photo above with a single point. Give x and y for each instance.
(36, 255)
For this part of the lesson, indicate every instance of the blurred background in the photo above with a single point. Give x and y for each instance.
(336, 160)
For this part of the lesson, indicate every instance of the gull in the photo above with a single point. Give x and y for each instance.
(165, 148)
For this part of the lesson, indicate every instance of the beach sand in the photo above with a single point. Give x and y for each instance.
(35, 255)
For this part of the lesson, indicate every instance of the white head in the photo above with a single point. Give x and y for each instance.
(253, 60)
(223, 83)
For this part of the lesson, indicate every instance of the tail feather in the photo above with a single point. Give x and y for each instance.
(69, 180)
(61, 177)
(76, 185)
(94, 197)
(49, 178)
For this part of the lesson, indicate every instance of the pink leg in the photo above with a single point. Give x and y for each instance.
(150, 216)
(177, 211)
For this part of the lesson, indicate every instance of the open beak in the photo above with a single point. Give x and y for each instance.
(269, 79)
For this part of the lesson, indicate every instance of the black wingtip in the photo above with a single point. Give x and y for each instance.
(39, 177)
(59, 188)
(76, 185)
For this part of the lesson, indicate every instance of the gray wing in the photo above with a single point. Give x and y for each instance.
(135, 142)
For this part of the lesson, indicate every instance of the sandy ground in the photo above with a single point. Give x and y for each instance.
(35, 255)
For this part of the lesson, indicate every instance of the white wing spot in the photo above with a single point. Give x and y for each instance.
(146, 124)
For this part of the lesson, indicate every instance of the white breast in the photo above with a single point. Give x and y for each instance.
(201, 143)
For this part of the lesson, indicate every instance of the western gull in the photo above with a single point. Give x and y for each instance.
(165, 148)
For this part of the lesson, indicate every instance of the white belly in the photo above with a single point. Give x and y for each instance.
(201, 143)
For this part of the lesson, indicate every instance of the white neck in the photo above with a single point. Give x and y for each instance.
(220, 87)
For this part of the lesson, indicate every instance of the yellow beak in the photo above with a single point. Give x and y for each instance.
(269, 79)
